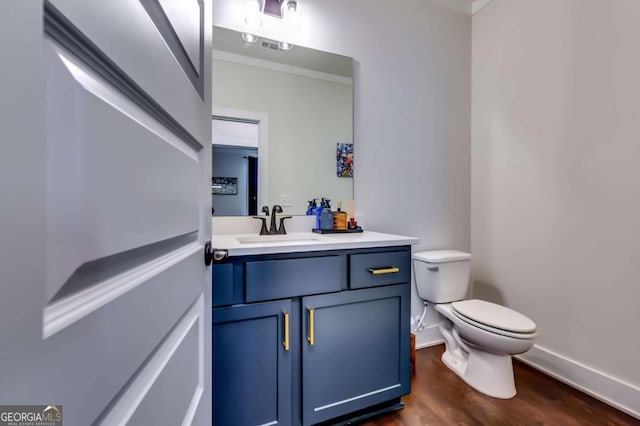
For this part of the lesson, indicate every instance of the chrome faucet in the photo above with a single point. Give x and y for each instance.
(273, 230)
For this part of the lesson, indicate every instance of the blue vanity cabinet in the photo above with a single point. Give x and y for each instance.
(252, 364)
(355, 350)
(347, 315)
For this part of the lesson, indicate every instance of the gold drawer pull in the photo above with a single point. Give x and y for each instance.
(286, 331)
(312, 337)
(391, 270)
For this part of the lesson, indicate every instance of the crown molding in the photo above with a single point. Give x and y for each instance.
(468, 7)
(479, 4)
(462, 6)
(274, 66)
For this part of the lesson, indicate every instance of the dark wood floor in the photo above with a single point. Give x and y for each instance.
(439, 397)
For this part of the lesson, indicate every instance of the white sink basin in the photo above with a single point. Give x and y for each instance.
(277, 239)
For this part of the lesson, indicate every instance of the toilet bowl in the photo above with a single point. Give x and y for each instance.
(480, 337)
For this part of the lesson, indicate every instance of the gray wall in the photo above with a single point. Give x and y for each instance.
(556, 181)
(412, 113)
(230, 162)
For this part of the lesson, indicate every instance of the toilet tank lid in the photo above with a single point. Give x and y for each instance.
(440, 256)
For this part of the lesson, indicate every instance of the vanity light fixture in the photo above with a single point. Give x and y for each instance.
(286, 10)
(250, 38)
(283, 45)
(279, 8)
(292, 6)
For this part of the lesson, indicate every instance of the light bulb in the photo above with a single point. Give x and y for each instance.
(283, 45)
(290, 9)
(250, 38)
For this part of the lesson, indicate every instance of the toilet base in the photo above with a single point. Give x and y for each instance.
(485, 372)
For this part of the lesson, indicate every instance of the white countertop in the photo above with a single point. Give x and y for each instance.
(251, 244)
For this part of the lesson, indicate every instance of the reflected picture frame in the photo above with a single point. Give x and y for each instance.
(344, 159)
(224, 185)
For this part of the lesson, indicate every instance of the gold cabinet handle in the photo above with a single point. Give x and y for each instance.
(286, 331)
(391, 270)
(312, 338)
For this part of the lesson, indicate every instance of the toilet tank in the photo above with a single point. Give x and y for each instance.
(442, 276)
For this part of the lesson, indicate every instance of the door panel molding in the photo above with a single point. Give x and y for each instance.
(101, 89)
(107, 167)
(87, 364)
(66, 311)
(66, 34)
(100, 270)
(194, 72)
(132, 396)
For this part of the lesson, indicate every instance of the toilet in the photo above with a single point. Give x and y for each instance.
(480, 337)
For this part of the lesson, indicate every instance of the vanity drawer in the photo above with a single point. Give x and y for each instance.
(375, 269)
(278, 279)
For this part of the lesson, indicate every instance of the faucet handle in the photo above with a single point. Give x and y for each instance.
(282, 229)
(263, 228)
(265, 210)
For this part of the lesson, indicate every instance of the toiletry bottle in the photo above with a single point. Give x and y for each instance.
(318, 212)
(340, 219)
(326, 217)
(353, 224)
(312, 205)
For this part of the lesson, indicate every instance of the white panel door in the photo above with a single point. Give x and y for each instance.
(105, 164)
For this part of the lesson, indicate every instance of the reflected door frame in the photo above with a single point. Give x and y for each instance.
(262, 119)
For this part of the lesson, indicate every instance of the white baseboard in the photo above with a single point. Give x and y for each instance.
(429, 344)
(430, 336)
(613, 391)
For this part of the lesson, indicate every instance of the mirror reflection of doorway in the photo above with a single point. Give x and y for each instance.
(235, 167)
(241, 164)
(253, 185)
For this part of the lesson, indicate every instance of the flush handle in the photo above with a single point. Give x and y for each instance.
(433, 268)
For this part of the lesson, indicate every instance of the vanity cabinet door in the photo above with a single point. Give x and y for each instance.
(355, 350)
(252, 364)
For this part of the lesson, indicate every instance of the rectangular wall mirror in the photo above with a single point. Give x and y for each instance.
(278, 119)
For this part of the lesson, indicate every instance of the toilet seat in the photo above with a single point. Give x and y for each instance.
(494, 318)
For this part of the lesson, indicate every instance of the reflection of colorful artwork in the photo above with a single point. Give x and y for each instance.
(224, 185)
(344, 157)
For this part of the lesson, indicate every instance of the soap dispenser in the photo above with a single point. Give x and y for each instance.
(311, 208)
(318, 213)
(326, 216)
